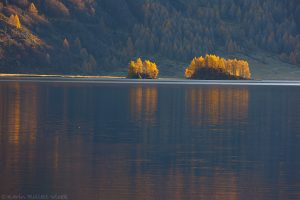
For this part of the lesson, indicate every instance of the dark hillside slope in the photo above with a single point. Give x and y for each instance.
(101, 36)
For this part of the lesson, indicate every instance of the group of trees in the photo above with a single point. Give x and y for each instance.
(182, 29)
(86, 62)
(215, 67)
(115, 31)
(142, 70)
(15, 21)
(208, 67)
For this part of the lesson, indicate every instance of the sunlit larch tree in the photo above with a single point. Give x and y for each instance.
(14, 19)
(32, 9)
(142, 70)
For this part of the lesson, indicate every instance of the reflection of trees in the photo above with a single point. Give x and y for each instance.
(143, 102)
(19, 113)
(14, 114)
(216, 105)
(173, 162)
(18, 128)
(118, 173)
(216, 187)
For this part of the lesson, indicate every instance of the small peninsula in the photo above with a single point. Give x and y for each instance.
(212, 67)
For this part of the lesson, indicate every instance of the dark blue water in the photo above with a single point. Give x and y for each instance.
(68, 140)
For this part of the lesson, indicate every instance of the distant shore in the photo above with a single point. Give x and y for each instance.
(38, 78)
(58, 76)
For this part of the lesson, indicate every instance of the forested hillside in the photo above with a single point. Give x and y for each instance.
(102, 36)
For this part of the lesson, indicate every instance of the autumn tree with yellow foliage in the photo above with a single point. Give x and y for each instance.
(215, 67)
(14, 19)
(66, 44)
(32, 9)
(142, 70)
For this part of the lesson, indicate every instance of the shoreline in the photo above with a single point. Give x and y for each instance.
(4, 75)
(123, 80)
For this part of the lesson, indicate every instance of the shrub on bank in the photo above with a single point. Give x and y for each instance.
(142, 70)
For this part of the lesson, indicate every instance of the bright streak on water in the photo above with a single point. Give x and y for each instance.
(155, 82)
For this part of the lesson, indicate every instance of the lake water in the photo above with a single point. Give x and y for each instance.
(108, 140)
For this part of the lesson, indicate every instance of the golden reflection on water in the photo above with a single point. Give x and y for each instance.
(19, 112)
(85, 169)
(14, 114)
(217, 104)
(113, 178)
(18, 130)
(143, 103)
(218, 186)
